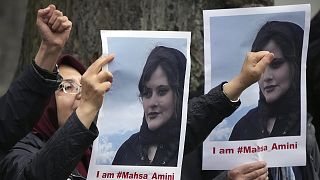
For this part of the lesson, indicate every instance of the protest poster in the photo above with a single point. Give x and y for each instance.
(142, 120)
(270, 124)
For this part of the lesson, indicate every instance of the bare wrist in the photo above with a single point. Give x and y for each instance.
(233, 89)
(86, 114)
(54, 42)
(47, 56)
(230, 97)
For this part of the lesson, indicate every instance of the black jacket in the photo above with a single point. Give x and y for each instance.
(29, 158)
(204, 114)
(33, 159)
(22, 105)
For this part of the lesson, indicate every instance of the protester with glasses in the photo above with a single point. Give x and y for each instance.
(69, 86)
(59, 143)
(22, 105)
(59, 147)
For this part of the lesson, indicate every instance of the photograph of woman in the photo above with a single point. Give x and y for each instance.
(278, 110)
(270, 124)
(161, 91)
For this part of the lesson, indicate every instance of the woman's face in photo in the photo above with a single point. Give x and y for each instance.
(275, 81)
(157, 100)
(67, 103)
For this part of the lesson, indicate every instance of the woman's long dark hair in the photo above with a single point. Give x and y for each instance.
(289, 37)
(173, 62)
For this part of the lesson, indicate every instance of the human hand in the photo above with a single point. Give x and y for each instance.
(252, 69)
(54, 29)
(95, 82)
(251, 171)
(53, 26)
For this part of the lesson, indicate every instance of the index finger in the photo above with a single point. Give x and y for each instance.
(99, 63)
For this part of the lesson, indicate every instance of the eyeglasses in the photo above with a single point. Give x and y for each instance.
(69, 86)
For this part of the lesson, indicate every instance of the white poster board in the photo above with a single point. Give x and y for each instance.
(122, 111)
(229, 35)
